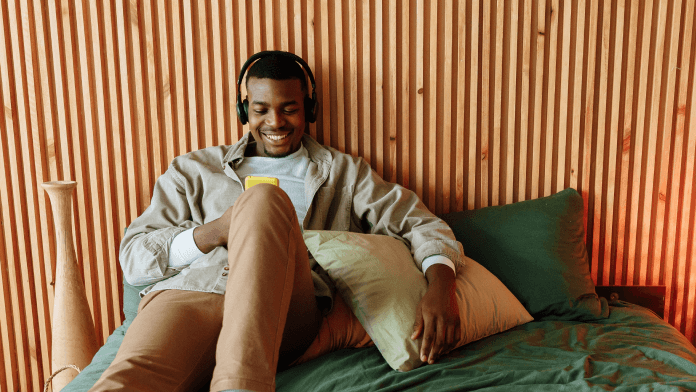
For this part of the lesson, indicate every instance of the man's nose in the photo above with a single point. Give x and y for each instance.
(275, 119)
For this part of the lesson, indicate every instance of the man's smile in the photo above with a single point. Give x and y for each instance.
(276, 137)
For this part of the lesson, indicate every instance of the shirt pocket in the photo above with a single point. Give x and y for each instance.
(333, 208)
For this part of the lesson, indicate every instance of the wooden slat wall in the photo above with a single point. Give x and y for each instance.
(469, 103)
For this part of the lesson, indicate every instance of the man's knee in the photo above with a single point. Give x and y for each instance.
(265, 200)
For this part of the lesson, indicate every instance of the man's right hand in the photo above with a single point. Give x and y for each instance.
(214, 233)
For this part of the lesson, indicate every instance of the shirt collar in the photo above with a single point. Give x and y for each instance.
(316, 152)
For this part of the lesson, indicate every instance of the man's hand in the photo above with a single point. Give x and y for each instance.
(214, 233)
(437, 315)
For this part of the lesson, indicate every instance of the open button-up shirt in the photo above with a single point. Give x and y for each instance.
(345, 193)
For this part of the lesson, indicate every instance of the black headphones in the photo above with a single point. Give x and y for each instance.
(310, 104)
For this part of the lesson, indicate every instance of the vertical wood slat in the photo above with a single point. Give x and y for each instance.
(539, 32)
(45, 164)
(216, 81)
(600, 160)
(447, 101)
(177, 84)
(420, 91)
(588, 111)
(510, 106)
(152, 81)
(637, 141)
(686, 244)
(552, 32)
(524, 106)
(406, 92)
(115, 182)
(22, 187)
(625, 134)
(469, 104)
(353, 72)
(494, 153)
(562, 121)
(432, 121)
(231, 64)
(325, 73)
(460, 152)
(94, 125)
(391, 109)
(650, 201)
(366, 95)
(472, 184)
(165, 78)
(687, 151)
(378, 104)
(15, 359)
(125, 94)
(203, 62)
(36, 146)
(614, 134)
(339, 72)
(684, 270)
(663, 177)
(189, 75)
(575, 127)
(485, 151)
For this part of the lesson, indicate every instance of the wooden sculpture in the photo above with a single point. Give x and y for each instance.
(73, 337)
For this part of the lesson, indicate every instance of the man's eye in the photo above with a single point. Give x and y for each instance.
(260, 111)
(291, 111)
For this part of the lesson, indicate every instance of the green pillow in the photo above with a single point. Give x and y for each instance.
(537, 249)
(131, 300)
(378, 279)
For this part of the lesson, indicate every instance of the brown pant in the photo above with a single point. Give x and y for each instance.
(267, 319)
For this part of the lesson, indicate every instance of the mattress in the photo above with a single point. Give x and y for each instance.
(632, 350)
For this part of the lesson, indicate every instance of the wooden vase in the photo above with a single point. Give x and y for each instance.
(73, 337)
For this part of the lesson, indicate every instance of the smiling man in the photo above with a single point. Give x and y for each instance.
(276, 115)
(232, 295)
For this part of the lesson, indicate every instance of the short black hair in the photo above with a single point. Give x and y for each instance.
(277, 67)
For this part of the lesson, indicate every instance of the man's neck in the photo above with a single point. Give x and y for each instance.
(250, 150)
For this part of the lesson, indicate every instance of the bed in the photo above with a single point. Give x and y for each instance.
(576, 342)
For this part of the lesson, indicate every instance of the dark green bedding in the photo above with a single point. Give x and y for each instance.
(631, 350)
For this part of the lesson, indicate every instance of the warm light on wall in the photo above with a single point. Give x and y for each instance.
(469, 103)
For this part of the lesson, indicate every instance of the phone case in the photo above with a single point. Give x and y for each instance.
(255, 180)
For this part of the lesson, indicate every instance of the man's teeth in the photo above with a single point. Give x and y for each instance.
(276, 137)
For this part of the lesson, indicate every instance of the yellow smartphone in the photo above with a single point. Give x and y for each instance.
(250, 181)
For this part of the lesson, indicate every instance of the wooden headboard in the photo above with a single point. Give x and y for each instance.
(651, 297)
(469, 103)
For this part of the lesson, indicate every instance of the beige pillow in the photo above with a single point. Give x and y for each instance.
(377, 278)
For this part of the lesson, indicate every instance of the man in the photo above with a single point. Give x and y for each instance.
(234, 295)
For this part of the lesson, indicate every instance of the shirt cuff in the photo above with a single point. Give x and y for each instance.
(437, 259)
(183, 250)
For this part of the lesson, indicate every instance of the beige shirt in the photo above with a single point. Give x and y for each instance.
(345, 193)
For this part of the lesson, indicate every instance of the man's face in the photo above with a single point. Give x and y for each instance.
(276, 115)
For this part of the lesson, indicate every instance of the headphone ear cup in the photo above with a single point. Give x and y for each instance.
(243, 111)
(310, 109)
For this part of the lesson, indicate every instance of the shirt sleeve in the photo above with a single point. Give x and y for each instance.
(386, 208)
(144, 249)
(437, 259)
(183, 250)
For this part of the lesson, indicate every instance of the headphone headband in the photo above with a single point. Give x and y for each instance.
(310, 103)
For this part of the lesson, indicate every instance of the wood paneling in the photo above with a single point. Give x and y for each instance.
(468, 103)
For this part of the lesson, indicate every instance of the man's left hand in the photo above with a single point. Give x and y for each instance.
(437, 315)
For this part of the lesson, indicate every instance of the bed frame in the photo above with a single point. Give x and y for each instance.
(651, 297)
